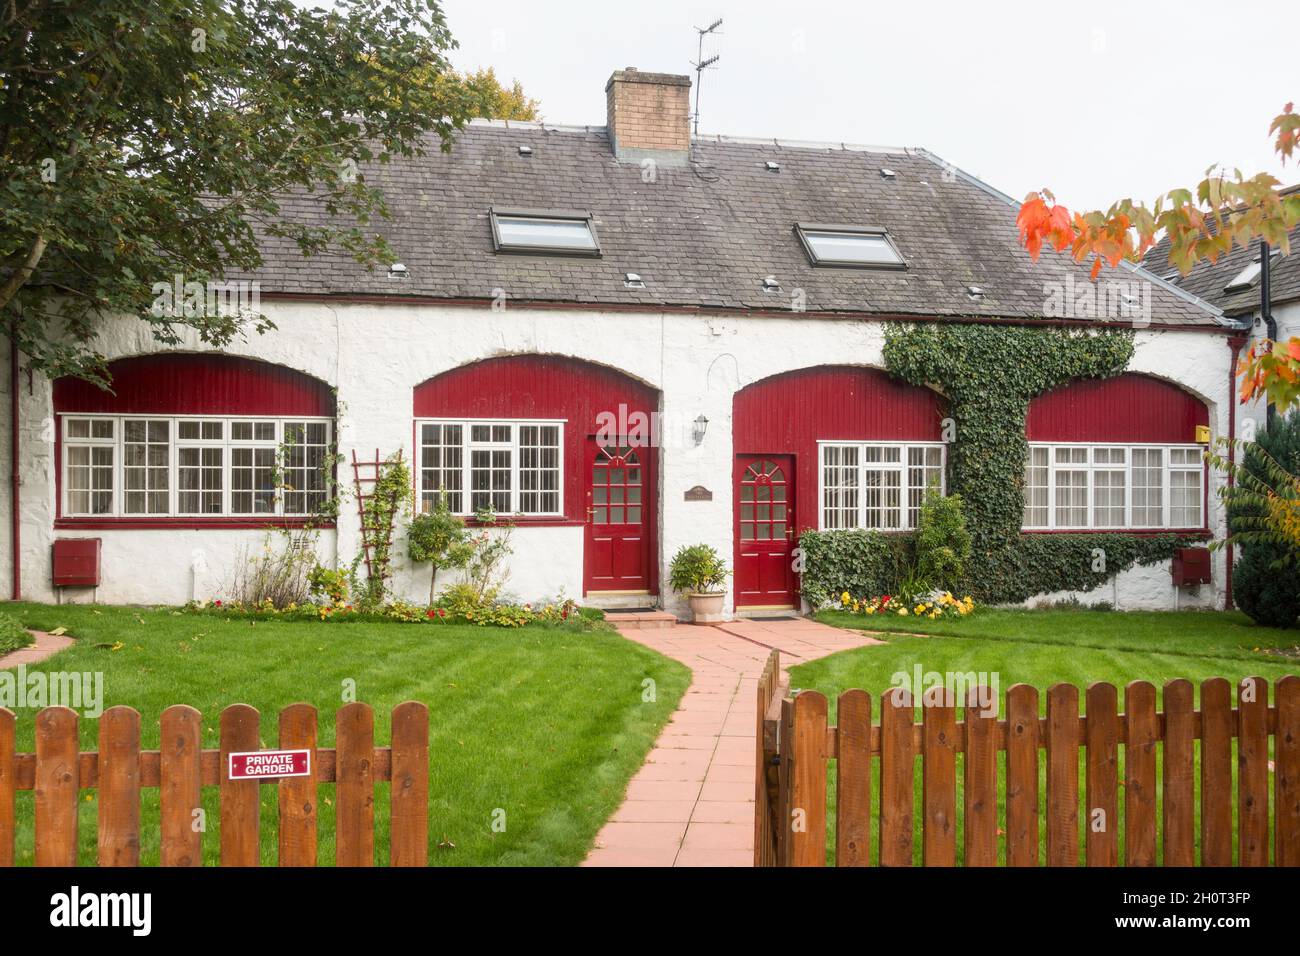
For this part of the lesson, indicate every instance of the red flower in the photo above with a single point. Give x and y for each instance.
(432, 613)
(216, 604)
(885, 599)
(442, 612)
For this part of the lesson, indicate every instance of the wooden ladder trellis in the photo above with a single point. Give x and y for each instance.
(371, 537)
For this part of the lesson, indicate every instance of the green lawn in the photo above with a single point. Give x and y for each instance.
(545, 723)
(1050, 646)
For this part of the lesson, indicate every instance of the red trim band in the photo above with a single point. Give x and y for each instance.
(186, 524)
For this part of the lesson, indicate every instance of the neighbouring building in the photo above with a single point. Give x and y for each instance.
(565, 292)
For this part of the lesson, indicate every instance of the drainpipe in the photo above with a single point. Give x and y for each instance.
(1266, 310)
(16, 534)
(1235, 344)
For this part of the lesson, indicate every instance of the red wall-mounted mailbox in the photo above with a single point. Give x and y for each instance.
(76, 562)
(1191, 566)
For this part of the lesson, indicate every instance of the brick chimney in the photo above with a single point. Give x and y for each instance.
(649, 116)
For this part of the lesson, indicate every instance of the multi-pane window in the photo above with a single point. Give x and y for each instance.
(1113, 486)
(306, 447)
(509, 467)
(146, 475)
(875, 485)
(127, 466)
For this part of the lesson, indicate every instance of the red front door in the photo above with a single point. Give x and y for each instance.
(620, 501)
(765, 532)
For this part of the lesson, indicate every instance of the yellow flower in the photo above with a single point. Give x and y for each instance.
(902, 612)
(844, 598)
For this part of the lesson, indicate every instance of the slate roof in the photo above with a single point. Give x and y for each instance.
(1208, 280)
(702, 235)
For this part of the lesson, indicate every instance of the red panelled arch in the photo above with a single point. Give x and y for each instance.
(539, 386)
(197, 384)
(1128, 408)
(791, 412)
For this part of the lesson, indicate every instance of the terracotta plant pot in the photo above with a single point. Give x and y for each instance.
(707, 608)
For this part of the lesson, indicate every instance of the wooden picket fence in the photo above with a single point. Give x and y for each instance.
(119, 770)
(795, 745)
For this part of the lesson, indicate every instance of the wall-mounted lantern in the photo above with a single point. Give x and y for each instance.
(700, 427)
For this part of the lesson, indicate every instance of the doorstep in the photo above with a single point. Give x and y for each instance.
(641, 620)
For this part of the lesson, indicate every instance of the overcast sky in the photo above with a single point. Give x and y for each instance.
(1094, 99)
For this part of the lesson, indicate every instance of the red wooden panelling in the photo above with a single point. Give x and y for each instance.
(539, 386)
(1128, 408)
(791, 412)
(190, 384)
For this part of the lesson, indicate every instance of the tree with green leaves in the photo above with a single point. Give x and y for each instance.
(144, 140)
(439, 538)
(488, 98)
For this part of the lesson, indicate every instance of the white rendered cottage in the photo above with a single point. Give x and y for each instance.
(566, 291)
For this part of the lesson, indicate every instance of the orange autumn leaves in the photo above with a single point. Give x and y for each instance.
(1107, 237)
(1271, 369)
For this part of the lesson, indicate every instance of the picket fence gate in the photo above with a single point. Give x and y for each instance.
(795, 746)
(119, 770)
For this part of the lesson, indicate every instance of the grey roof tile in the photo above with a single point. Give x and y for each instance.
(702, 235)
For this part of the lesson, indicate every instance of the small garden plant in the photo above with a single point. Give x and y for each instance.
(12, 634)
(697, 569)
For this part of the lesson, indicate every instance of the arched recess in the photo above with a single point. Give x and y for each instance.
(608, 486)
(1117, 453)
(192, 439)
(779, 427)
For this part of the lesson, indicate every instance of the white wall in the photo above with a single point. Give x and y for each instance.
(375, 355)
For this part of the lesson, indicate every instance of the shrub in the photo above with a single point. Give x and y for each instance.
(697, 569)
(12, 634)
(328, 585)
(942, 541)
(439, 538)
(859, 562)
(279, 575)
(1266, 581)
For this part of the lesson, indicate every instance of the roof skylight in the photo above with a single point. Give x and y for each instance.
(541, 232)
(860, 247)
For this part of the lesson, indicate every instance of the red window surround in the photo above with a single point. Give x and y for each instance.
(543, 387)
(791, 412)
(1127, 409)
(188, 384)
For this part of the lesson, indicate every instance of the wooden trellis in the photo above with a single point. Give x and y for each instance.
(377, 558)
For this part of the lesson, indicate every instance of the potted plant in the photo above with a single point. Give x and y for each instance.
(699, 573)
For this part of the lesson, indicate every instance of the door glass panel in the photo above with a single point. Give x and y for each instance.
(600, 516)
(746, 512)
(747, 493)
(764, 532)
(616, 496)
(778, 529)
(633, 515)
(746, 531)
(599, 495)
(615, 515)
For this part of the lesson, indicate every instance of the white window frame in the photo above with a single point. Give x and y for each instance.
(1092, 467)
(227, 444)
(468, 445)
(863, 466)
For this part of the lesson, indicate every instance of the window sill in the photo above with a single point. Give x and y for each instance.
(224, 523)
(526, 521)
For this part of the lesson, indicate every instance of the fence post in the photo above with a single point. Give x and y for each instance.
(1142, 730)
(980, 789)
(1252, 772)
(180, 786)
(355, 788)
(8, 786)
(1062, 775)
(897, 783)
(1216, 772)
(808, 782)
(853, 780)
(1286, 775)
(1101, 799)
(1179, 776)
(409, 816)
(938, 778)
(240, 800)
(58, 770)
(119, 787)
(298, 808)
(1022, 775)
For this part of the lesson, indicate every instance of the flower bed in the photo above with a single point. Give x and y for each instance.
(933, 606)
(447, 611)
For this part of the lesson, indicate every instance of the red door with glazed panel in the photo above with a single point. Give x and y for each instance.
(619, 550)
(765, 532)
